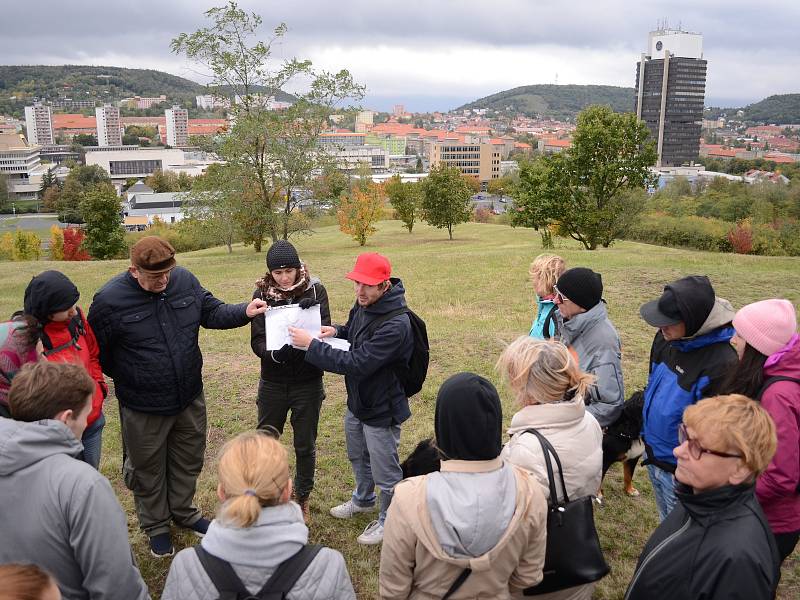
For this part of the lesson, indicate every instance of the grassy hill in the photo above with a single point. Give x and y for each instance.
(475, 296)
(80, 82)
(557, 101)
(781, 109)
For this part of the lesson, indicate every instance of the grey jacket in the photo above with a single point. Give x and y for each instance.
(254, 553)
(61, 514)
(597, 344)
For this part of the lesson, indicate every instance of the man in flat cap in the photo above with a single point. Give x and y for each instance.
(147, 322)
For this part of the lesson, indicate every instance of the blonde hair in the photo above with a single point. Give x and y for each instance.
(253, 471)
(545, 271)
(539, 372)
(738, 425)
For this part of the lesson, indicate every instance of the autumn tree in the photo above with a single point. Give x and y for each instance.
(56, 243)
(446, 198)
(81, 179)
(586, 191)
(101, 211)
(359, 211)
(406, 199)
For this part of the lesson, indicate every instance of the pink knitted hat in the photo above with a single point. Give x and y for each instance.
(767, 325)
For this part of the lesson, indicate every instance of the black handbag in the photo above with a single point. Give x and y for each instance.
(573, 555)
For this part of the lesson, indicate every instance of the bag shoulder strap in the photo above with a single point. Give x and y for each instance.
(221, 574)
(547, 450)
(289, 571)
(76, 329)
(369, 330)
(548, 320)
(462, 577)
(772, 380)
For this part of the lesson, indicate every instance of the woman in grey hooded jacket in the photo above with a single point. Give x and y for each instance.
(257, 528)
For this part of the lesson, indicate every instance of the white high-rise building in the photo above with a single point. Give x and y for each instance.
(108, 126)
(39, 124)
(177, 126)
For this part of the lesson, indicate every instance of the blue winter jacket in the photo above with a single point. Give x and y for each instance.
(681, 373)
(375, 395)
(546, 313)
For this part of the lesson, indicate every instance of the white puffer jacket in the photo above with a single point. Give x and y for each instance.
(576, 437)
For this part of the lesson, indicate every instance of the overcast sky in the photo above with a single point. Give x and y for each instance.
(433, 54)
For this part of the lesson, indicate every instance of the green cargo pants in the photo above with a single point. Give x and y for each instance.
(163, 458)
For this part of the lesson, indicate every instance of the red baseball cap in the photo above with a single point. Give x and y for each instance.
(371, 269)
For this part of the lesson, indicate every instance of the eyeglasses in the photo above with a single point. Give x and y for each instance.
(695, 449)
(559, 296)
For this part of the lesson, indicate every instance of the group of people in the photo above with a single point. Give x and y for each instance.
(721, 414)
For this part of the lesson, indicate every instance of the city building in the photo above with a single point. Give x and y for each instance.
(177, 126)
(364, 121)
(339, 139)
(39, 124)
(68, 125)
(133, 161)
(145, 206)
(348, 158)
(142, 103)
(19, 163)
(109, 131)
(394, 145)
(211, 102)
(398, 110)
(670, 93)
(59, 153)
(478, 160)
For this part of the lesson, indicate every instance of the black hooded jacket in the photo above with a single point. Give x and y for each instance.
(715, 545)
(149, 341)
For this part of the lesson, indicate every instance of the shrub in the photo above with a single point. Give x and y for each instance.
(73, 244)
(7, 246)
(56, 242)
(741, 237)
(789, 233)
(482, 215)
(27, 245)
(701, 233)
(185, 236)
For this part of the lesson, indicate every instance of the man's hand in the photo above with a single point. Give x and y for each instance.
(283, 354)
(307, 303)
(300, 338)
(256, 307)
(327, 331)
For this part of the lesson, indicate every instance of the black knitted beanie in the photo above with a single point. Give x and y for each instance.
(282, 255)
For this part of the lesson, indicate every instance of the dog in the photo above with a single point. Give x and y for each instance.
(423, 459)
(622, 442)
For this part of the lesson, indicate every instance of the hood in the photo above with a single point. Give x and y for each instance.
(24, 444)
(716, 328)
(471, 509)
(544, 417)
(694, 296)
(788, 364)
(573, 328)
(393, 299)
(721, 315)
(278, 534)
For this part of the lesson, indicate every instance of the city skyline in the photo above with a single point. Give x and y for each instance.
(433, 56)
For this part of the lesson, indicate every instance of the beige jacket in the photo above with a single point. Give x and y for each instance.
(578, 440)
(413, 564)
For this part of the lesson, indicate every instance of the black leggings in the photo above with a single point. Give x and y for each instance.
(786, 543)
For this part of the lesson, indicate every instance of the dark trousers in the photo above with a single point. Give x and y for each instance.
(163, 458)
(786, 543)
(304, 400)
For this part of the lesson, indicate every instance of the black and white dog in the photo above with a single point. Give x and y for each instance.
(622, 441)
(423, 459)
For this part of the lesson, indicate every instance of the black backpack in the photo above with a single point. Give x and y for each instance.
(411, 375)
(230, 587)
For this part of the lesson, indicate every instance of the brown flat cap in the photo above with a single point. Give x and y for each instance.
(151, 254)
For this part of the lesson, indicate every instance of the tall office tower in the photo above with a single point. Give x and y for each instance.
(177, 126)
(108, 128)
(670, 92)
(39, 124)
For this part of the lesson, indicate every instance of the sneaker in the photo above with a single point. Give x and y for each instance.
(349, 509)
(200, 527)
(372, 535)
(161, 546)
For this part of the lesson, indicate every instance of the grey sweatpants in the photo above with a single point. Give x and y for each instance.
(163, 458)
(373, 455)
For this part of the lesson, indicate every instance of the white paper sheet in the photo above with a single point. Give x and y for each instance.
(338, 343)
(278, 319)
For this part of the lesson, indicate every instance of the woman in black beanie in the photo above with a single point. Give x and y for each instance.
(288, 382)
(479, 524)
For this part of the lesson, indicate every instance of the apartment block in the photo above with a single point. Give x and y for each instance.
(670, 93)
(478, 160)
(39, 124)
(109, 131)
(177, 126)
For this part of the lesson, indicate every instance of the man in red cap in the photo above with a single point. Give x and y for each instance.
(380, 336)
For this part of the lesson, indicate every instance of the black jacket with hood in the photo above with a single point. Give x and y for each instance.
(714, 545)
(294, 369)
(149, 341)
(375, 394)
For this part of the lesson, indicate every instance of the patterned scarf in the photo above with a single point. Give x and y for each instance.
(271, 291)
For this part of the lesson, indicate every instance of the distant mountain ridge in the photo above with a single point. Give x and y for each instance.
(780, 109)
(562, 102)
(81, 82)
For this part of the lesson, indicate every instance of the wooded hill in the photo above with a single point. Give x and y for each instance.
(781, 109)
(79, 82)
(562, 102)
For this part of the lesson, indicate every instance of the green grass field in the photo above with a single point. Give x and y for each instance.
(475, 296)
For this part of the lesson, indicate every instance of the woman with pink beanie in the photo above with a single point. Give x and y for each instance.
(768, 346)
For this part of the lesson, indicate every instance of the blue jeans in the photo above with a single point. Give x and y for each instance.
(373, 455)
(664, 490)
(92, 441)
